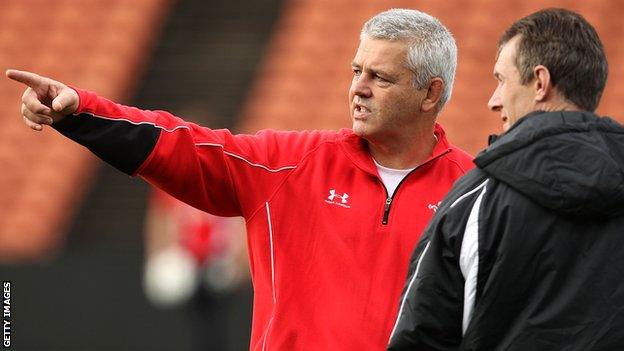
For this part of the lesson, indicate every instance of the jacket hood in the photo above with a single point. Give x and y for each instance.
(570, 162)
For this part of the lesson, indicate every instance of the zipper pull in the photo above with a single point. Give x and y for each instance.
(386, 211)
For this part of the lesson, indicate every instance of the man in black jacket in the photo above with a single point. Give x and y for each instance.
(527, 251)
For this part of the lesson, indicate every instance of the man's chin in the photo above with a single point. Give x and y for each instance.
(359, 129)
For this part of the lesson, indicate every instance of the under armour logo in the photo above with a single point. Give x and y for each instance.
(333, 198)
(434, 207)
(332, 195)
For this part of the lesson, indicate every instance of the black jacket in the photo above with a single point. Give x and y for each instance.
(527, 251)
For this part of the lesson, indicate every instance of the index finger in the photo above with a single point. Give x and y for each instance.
(31, 79)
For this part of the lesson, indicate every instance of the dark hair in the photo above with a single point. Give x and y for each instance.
(566, 44)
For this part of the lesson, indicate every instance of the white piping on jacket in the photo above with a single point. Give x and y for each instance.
(469, 260)
(266, 332)
(469, 193)
(135, 123)
(409, 287)
(268, 212)
(244, 159)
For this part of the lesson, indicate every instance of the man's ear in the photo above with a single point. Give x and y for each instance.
(543, 84)
(434, 93)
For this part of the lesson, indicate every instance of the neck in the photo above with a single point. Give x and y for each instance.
(557, 103)
(404, 153)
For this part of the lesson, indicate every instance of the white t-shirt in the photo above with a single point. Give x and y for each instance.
(392, 177)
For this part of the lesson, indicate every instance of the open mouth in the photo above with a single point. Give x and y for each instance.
(361, 109)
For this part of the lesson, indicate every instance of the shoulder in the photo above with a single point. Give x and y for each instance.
(465, 190)
(460, 158)
(453, 154)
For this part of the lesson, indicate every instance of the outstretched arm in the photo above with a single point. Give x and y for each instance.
(213, 170)
(44, 101)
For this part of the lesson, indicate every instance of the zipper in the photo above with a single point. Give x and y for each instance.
(387, 210)
(389, 198)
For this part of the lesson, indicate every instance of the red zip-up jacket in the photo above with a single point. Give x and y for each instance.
(328, 247)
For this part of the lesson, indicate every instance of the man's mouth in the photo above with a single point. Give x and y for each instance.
(360, 111)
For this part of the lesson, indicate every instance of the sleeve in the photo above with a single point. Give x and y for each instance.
(213, 170)
(432, 307)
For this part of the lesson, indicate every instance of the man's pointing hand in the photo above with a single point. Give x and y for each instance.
(45, 101)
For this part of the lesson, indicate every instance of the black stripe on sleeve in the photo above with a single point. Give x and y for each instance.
(121, 144)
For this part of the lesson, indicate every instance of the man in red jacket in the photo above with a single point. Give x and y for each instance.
(332, 216)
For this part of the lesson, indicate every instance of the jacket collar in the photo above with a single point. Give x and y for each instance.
(357, 149)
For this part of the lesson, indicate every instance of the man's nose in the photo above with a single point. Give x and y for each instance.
(495, 103)
(360, 86)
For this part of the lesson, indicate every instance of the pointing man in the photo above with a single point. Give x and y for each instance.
(332, 217)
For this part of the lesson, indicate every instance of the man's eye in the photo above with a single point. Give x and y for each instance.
(381, 79)
(356, 72)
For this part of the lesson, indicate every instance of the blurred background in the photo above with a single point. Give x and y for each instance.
(74, 233)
